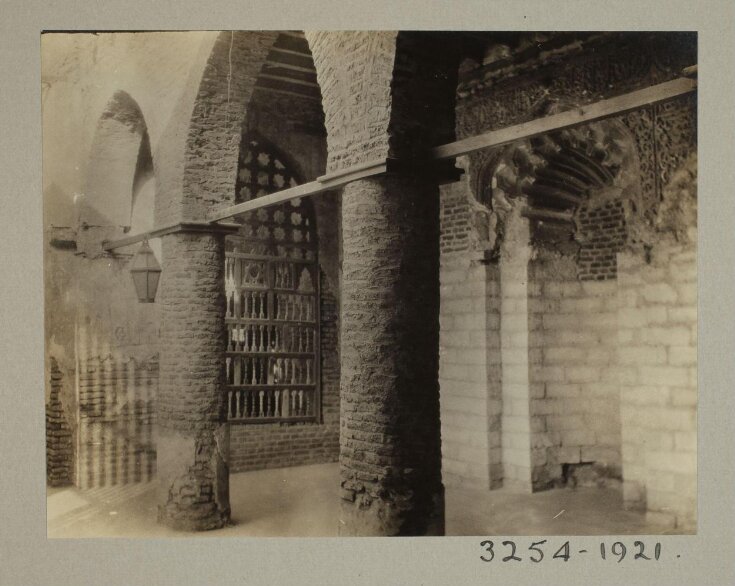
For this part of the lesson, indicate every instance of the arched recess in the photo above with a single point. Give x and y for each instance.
(195, 431)
(257, 86)
(264, 81)
(568, 183)
(142, 213)
(272, 289)
(120, 169)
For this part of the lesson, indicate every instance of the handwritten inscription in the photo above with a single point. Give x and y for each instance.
(538, 551)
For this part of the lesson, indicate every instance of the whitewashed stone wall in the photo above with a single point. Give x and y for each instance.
(517, 423)
(574, 388)
(469, 361)
(657, 355)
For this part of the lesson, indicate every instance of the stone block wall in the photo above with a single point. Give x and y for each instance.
(575, 397)
(469, 357)
(517, 424)
(277, 445)
(657, 354)
(547, 356)
(469, 375)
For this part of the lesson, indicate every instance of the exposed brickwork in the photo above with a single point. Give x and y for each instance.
(354, 70)
(253, 447)
(116, 418)
(456, 216)
(384, 93)
(214, 128)
(601, 230)
(389, 446)
(59, 441)
(657, 356)
(193, 435)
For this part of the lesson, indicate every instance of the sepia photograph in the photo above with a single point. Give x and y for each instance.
(306, 283)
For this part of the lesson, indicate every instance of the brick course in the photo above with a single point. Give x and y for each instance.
(59, 441)
(390, 445)
(602, 233)
(192, 432)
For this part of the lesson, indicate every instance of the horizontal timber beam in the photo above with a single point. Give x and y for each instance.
(584, 114)
(109, 245)
(291, 52)
(322, 184)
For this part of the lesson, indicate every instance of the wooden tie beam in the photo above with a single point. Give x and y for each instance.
(582, 115)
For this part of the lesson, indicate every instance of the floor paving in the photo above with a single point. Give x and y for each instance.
(304, 502)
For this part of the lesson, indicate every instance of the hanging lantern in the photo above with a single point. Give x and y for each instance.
(146, 271)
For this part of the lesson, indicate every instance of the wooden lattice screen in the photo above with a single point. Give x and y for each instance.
(272, 288)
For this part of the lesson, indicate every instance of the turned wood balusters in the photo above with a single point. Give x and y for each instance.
(271, 286)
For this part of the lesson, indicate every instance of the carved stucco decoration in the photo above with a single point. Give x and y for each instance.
(665, 136)
(662, 135)
(677, 215)
(610, 65)
(552, 175)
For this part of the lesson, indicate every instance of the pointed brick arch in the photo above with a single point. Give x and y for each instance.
(374, 92)
(120, 155)
(384, 93)
(193, 431)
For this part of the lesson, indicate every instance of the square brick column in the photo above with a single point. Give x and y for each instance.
(390, 437)
(192, 434)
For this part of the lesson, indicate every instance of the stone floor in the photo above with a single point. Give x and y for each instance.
(304, 502)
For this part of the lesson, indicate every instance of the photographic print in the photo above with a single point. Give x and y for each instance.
(370, 283)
